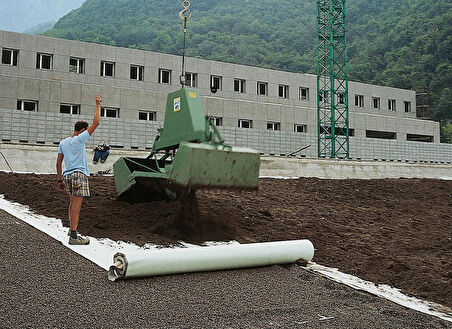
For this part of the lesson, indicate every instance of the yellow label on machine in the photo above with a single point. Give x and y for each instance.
(177, 104)
(192, 94)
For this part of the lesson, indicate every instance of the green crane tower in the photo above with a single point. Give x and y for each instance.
(332, 80)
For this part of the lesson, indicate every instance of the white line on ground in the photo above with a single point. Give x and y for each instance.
(101, 252)
(279, 177)
(382, 290)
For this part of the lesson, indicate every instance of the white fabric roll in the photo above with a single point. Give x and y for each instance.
(198, 259)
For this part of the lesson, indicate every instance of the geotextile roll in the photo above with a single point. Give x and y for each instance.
(197, 259)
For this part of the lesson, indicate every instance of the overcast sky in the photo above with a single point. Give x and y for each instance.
(20, 15)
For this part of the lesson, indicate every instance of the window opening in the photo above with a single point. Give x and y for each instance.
(44, 61)
(69, 108)
(191, 79)
(419, 138)
(391, 104)
(299, 128)
(10, 56)
(407, 107)
(359, 100)
(136, 72)
(107, 69)
(76, 65)
(304, 94)
(324, 96)
(273, 126)
(109, 112)
(215, 83)
(376, 102)
(27, 105)
(381, 134)
(262, 88)
(245, 123)
(283, 91)
(218, 121)
(239, 85)
(147, 115)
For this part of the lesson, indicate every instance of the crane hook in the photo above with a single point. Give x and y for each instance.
(186, 5)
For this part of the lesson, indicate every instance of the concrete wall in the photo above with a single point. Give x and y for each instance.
(42, 159)
(346, 169)
(56, 86)
(49, 128)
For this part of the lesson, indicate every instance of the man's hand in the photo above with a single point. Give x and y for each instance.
(96, 119)
(61, 186)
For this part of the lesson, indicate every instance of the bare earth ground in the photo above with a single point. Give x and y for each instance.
(392, 231)
(46, 285)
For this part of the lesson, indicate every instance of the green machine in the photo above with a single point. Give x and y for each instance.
(188, 154)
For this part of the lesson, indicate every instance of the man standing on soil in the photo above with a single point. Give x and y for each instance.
(75, 176)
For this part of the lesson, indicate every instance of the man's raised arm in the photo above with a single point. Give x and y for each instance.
(96, 119)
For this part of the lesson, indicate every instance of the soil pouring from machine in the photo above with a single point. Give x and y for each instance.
(188, 154)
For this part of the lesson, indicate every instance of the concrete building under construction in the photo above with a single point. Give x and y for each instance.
(46, 84)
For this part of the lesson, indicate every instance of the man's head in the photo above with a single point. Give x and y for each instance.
(79, 125)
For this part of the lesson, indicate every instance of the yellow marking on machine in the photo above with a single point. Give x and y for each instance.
(177, 104)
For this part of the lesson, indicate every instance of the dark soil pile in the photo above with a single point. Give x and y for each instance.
(392, 231)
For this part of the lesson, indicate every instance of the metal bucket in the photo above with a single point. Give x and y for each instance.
(140, 180)
(195, 166)
(208, 165)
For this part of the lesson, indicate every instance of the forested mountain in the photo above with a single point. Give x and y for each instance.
(404, 43)
(39, 28)
(21, 15)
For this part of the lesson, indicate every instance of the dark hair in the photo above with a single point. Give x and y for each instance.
(79, 125)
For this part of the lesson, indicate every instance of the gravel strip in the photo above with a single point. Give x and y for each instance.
(45, 285)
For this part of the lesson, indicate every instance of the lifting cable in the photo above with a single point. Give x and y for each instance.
(184, 15)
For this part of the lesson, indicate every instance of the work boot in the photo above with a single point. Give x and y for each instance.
(79, 240)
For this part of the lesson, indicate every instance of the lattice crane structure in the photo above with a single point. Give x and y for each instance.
(332, 80)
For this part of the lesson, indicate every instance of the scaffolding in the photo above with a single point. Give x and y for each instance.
(422, 102)
(332, 80)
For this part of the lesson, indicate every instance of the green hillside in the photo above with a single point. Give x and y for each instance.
(406, 43)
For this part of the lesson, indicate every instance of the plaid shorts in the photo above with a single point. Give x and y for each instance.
(76, 184)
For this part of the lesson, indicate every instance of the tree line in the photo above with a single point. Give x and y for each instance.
(404, 44)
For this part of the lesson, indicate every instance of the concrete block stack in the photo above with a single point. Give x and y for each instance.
(49, 128)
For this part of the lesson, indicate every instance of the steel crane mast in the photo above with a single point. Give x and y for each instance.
(332, 80)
